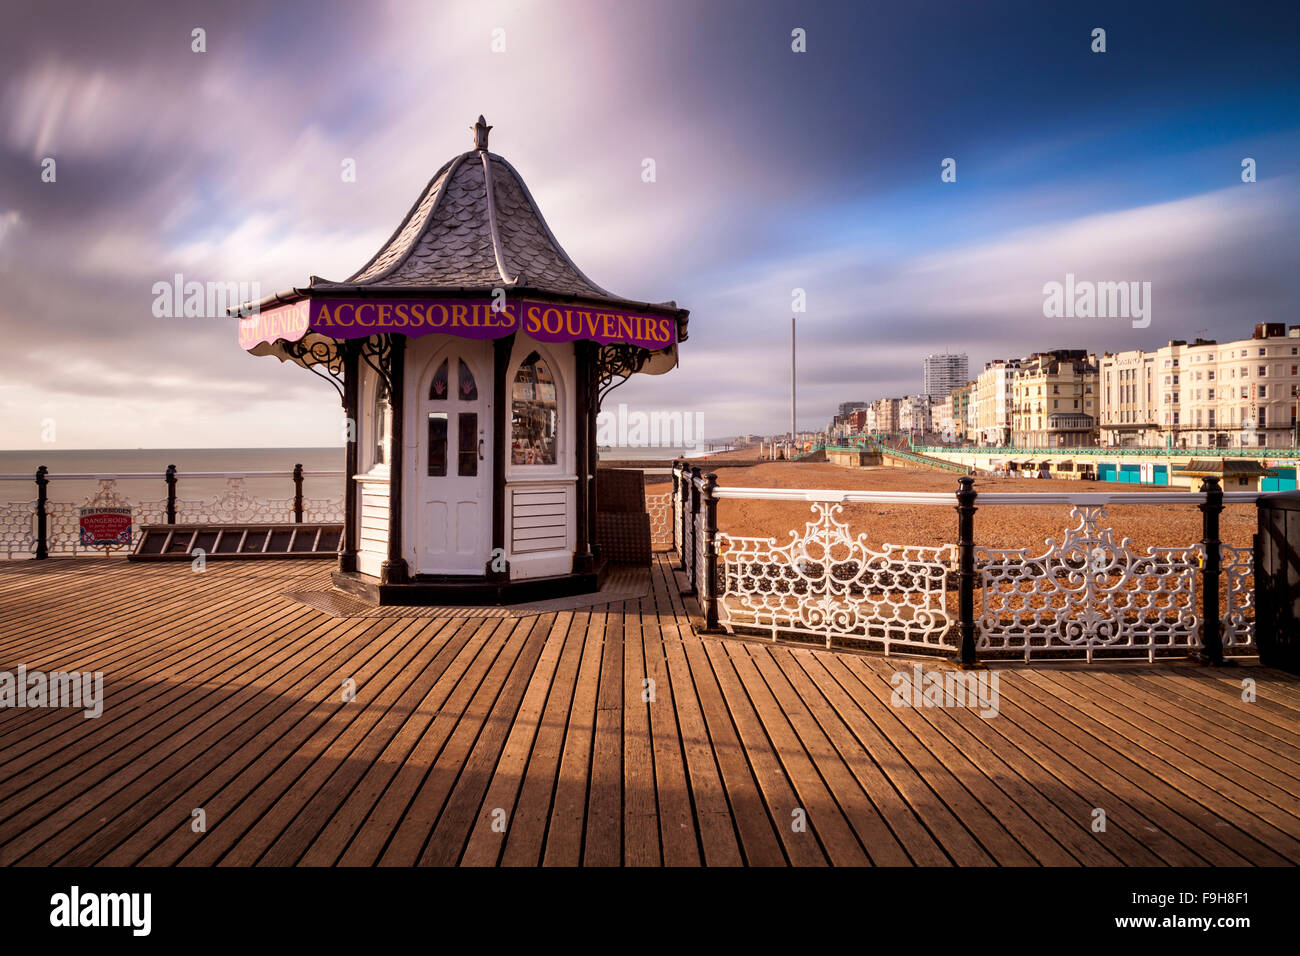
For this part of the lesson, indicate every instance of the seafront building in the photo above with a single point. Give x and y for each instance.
(882, 416)
(960, 410)
(1240, 394)
(941, 373)
(1206, 394)
(941, 417)
(1054, 398)
(841, 426)
(914, 414)
(851, 419)
(1128, 403)
(991, 401)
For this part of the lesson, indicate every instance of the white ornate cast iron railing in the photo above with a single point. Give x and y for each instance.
(1089, 591)
(660, 508)
(1239, 618)
(233, 505)
(1083, 594)
(830, 583)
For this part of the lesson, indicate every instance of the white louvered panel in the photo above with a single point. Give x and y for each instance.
(538, 520)
(374, 524)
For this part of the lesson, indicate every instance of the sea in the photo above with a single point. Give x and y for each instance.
(154, 461)
(659, 453)
(18, 468)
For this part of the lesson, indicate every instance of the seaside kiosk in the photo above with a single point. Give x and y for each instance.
(472, 354)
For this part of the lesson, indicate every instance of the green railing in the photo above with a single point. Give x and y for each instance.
(1012, 451)
(856, 446)
(928, 462)
(818, 446)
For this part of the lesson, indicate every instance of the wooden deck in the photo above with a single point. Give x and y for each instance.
(525, 740)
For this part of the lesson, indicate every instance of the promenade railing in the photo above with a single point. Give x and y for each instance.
(43, 525)
(917, 459)
(1085, 593)
(1011, 451)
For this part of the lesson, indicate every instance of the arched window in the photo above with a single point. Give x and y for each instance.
(438, 387)
(535, 414)
(382, 417)
(468, 388)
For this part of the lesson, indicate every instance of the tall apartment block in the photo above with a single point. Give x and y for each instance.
(942, 373)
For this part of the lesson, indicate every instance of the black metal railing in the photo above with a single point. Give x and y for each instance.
(693, 494)
(171, 479)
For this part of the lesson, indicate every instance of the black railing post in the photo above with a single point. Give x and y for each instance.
(1211, 624)
(693, 545)
(710, 554)
(170, 478)
(42, 524)
(685, 510)
(966, 569)
(675, 509)
(297, 493)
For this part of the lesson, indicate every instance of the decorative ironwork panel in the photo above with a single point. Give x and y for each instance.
(832, 584)
(1238, 566)
(18, 527)
(64, 525)
(321, 509)
(1089, 592)
(661, 509)
(234, 505)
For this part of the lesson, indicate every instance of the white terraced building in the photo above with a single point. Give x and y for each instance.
(914, 414)
(1241, 394)
(991, 403)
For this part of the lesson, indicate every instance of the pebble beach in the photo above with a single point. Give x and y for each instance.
(1156, 525)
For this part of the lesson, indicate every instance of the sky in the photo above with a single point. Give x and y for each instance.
(775, 170)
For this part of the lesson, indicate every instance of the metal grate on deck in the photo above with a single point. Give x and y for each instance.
(182, 542)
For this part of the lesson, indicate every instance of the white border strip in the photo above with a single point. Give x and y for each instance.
(990, 498)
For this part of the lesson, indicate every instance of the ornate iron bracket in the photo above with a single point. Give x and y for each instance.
(377, 351)
(619, 360)
(321, 353)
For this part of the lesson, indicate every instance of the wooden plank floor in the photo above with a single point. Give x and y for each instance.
(599, 735)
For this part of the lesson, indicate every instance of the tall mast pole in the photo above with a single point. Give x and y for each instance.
(793, 433)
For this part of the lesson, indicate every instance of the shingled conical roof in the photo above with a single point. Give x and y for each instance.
(475, 228)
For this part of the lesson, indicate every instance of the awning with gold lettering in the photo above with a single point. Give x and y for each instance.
(351, 318)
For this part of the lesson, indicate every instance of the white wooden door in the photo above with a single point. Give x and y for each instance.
(454, 516)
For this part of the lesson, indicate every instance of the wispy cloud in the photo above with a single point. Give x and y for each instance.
(773, 172)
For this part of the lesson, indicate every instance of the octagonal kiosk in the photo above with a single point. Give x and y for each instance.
(472, 355)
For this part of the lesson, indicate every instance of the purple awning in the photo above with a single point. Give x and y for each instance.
(482, 318)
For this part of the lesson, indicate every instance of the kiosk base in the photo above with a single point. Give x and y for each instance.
(430, 590)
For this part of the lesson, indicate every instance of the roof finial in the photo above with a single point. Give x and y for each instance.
(481, 130)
